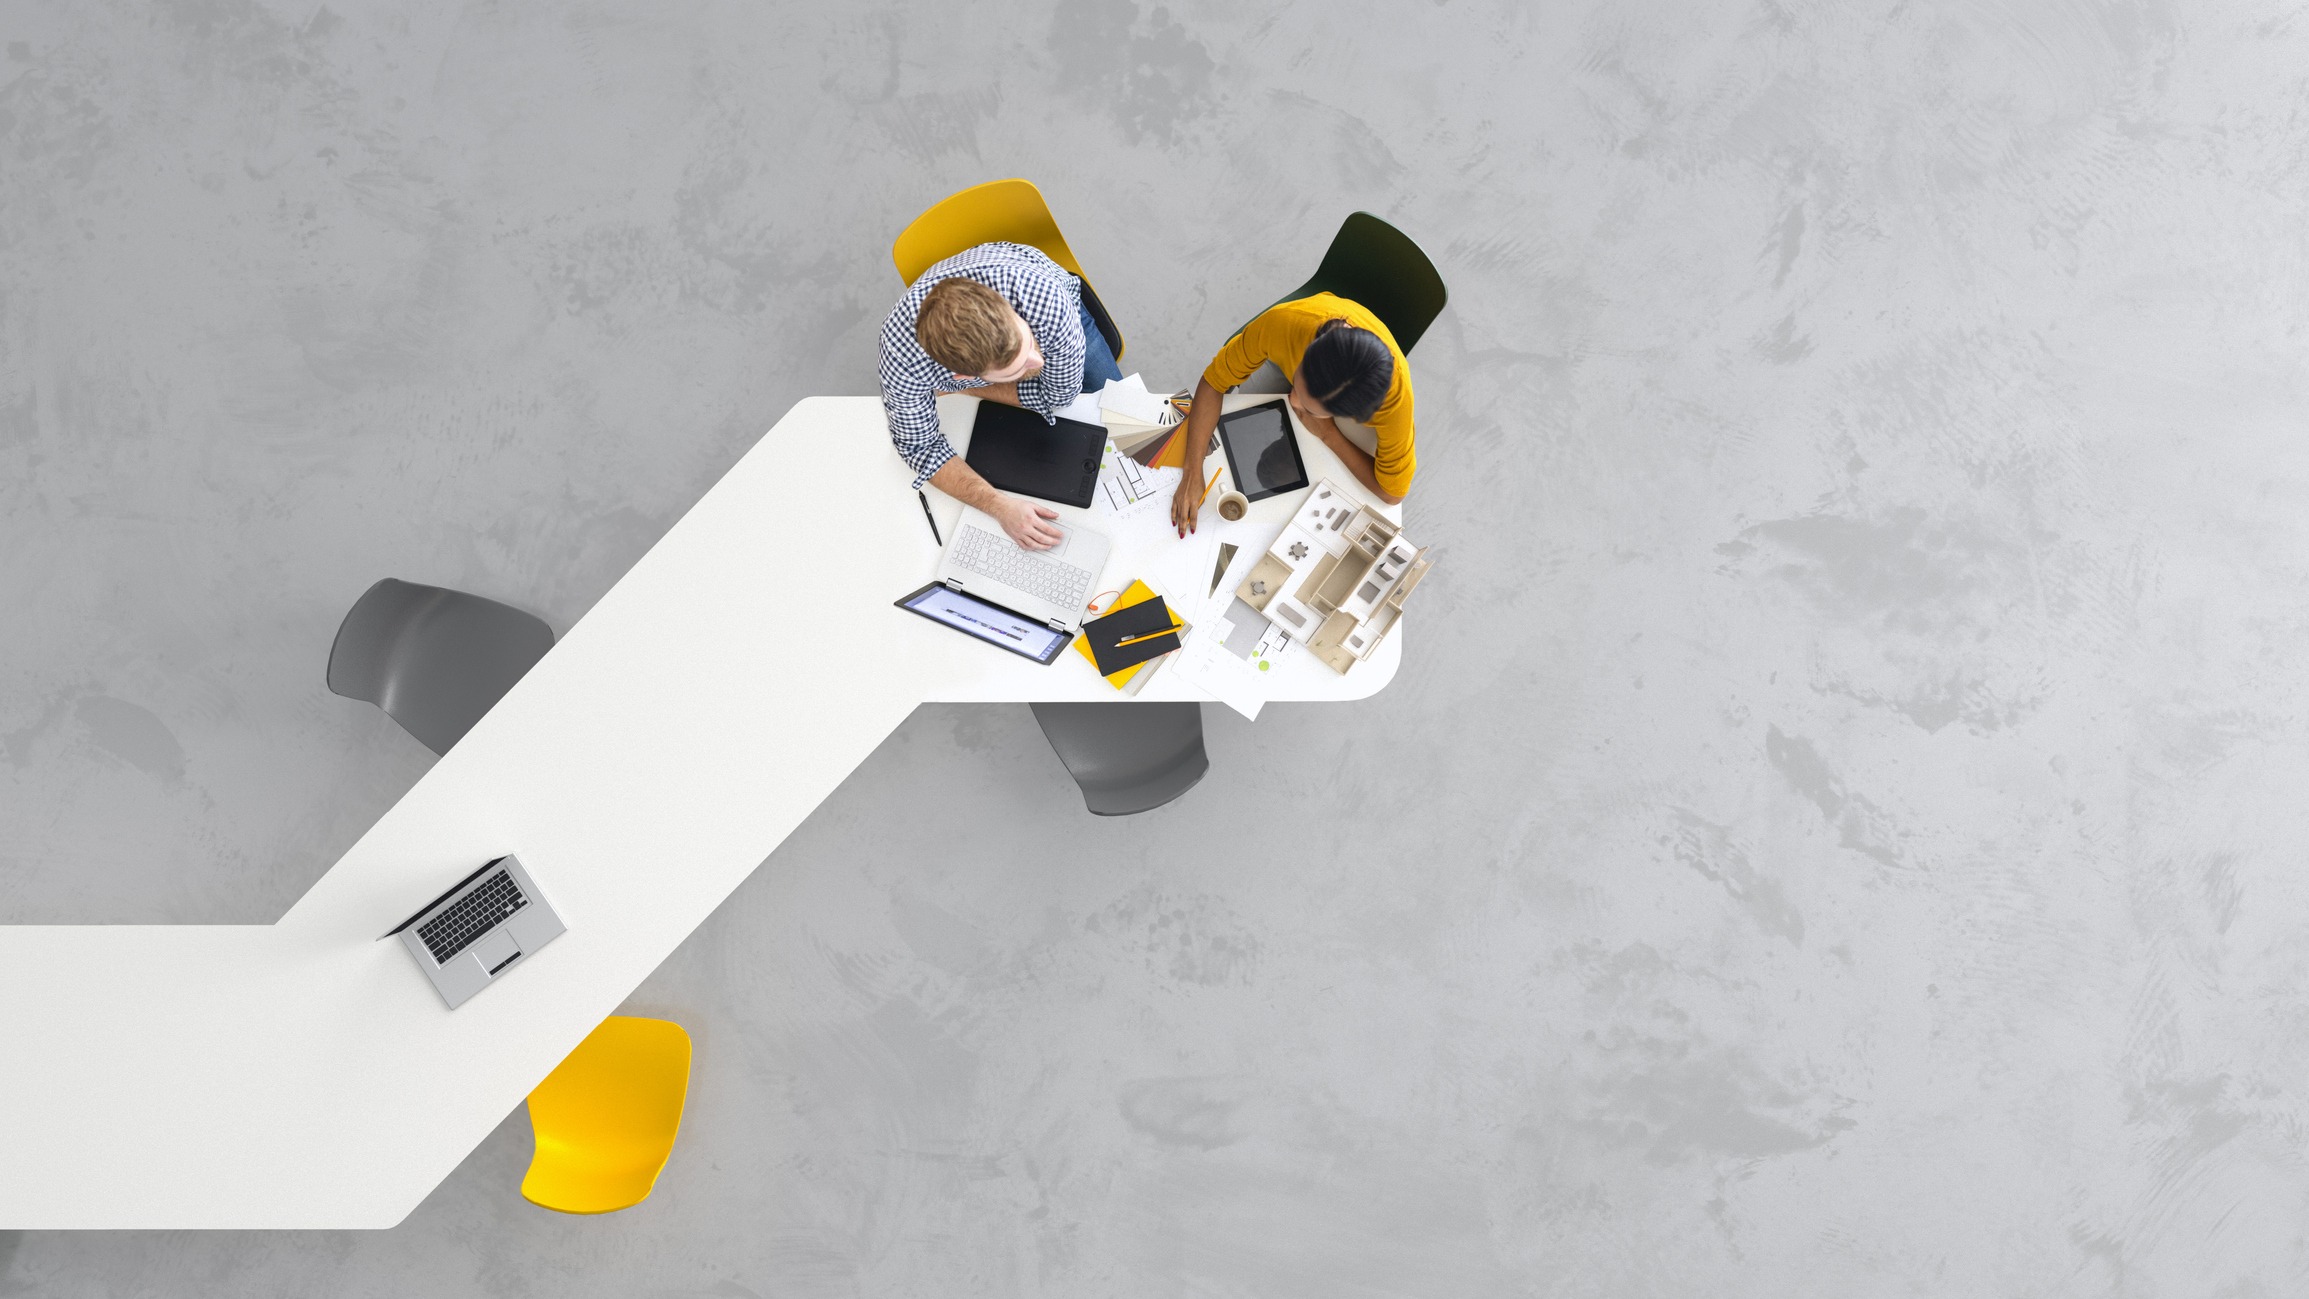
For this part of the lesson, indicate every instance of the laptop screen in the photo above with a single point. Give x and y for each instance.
(988, 622)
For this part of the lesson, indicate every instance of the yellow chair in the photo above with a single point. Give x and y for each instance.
(1010, 210)
(606, 1117)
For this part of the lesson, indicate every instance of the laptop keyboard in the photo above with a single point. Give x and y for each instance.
(471, 916)
(990, 554)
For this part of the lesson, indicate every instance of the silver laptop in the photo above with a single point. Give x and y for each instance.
(1051, 586)
(486, 924)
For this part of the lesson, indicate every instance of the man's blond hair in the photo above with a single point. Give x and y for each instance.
(965, 327)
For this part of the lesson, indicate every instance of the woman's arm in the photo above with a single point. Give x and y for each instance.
(1357, 460)
(1202, 418)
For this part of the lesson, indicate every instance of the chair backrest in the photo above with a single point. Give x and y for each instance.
(1371, 262)
(1011, 210)
(1004, 210)
(607, 1116)
(1127, 758)
(434, 659)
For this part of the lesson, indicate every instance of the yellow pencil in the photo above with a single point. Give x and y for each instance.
(1204, 497)
(1149, 636)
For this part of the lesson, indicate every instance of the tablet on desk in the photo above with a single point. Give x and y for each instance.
(1262, 450)
(1018, 451)
(987, 621)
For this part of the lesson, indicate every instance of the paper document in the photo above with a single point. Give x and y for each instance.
(1130, 399)
(1181, 570)
(1134, 502)
(1084, 408)
(1239, 650)
(1233, 660)
(1124, 482)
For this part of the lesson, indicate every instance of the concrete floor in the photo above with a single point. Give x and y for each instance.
(1837, 828)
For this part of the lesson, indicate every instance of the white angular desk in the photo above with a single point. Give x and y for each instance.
(302, 1074)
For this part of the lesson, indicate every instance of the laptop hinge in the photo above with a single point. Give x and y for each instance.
(1055, 624)
(951, 583)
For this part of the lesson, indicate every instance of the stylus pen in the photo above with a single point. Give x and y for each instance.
(927, 515)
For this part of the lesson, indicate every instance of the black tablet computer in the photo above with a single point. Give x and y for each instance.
(1262, 451)
(988, 621)
(1018, 451)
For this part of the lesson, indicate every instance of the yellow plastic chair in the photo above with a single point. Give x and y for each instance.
(1011, 210)
(606, 1117)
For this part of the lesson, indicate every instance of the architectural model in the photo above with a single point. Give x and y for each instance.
(1335, 581)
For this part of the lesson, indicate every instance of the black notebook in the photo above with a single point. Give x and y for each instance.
(1017, 451)
(1141, 619)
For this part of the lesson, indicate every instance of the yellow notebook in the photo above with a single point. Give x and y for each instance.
(1139, 593)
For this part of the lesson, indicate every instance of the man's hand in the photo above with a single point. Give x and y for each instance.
(1187, 501)
(1030, 525)
(1027, 523)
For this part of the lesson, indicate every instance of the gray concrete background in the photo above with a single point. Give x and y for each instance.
(1837, 828)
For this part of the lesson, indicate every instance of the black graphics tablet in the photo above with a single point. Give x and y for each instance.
(988, 621)
(1262, 451)
(1017, 451)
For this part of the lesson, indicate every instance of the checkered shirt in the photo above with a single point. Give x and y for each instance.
(1043, 294)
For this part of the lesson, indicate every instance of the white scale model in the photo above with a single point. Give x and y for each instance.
(1336, 579)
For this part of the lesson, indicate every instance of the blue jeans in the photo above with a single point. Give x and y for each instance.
(1098, 363)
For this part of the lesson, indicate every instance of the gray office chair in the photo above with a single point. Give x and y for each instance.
(435, 660)
(1128, 758)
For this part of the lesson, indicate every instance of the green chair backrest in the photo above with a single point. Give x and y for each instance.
(1373, 263)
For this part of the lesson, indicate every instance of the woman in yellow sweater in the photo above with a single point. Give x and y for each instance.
(1342, 363)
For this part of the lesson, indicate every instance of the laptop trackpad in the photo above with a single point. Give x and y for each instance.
(494, 949)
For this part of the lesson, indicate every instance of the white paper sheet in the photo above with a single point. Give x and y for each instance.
(1181, 570)
(1124, 482)
(1130, 399)
(1134, 502)
(1238, 680)
(1084, 408)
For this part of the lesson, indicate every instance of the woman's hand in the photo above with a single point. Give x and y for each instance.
(1187, 501)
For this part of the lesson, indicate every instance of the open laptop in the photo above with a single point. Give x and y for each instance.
(486, 924)
(1049, 586)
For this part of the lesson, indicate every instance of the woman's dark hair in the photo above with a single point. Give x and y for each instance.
(1348, 370)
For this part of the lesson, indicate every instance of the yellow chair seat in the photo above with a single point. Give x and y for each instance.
(606, 1118)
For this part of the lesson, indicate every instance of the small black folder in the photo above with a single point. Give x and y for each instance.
(1017, 451)
(1140, 619)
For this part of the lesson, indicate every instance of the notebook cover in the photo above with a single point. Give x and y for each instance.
(1140, 619)
(1119, 680)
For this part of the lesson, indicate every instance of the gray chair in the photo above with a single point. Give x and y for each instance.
(1127, 758)
(435, 660)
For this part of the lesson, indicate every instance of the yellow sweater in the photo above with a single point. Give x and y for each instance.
(1281, 334)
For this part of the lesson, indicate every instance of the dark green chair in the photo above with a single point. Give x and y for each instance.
(1373, 263)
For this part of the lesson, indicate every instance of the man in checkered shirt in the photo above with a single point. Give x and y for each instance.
(1008, 324)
